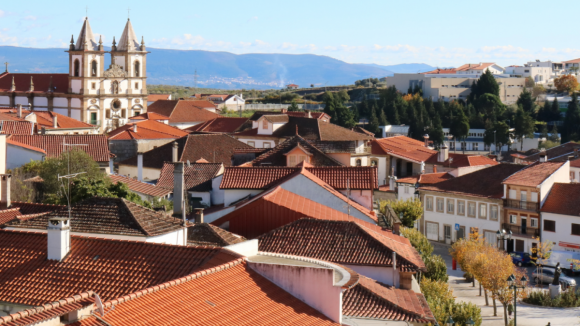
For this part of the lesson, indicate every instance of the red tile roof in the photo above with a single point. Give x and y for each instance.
(457, 160)
(231, 294)
(19, 144)
(146, 129)
(222, 124)
(35, 208)
(17, 127)
(183, 110)
(215, 148)
(7, 215)
(41, 82)
(371, 299)
(149, 116)
(111, 268)
(572, 61)
(441, 71)
(353, 177)
(204, 234)
(156, 97)
(46, 118)
(277, 155)
(141, 187)
(345, 241)
(533, 175)
(475, 66)
(197, 176)
(558, 153)
(430, 178)
(404, 147)
(98, 146)
(562, 199)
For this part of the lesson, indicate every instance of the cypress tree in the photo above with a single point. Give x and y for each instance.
(329, 106)
(374, 122)
(572, 121)
(555, 114)
(383, 119)
(526, 102)
(487, 84)
(436, 131)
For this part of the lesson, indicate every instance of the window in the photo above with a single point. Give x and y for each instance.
(252, 143)
(429, 203)
(475, 146)
(452, 146)
(137, 113)
(93, 118)
(461, 207)
(136, 85)
(447, 230)
(76, 68)
(575, 229)
(471, 209)
(513, 219)
(94, 68)
(493, 212)
(267, 145)
(374, 163)
(482, 210)
(440, 205)
(265, 124)
(572, 175)
(549, 226)
(450, 206)
(358, 162)
(94, 85)
(535, 197)
(123, 113)
(137, 66)
(486, 147)
(523, 195)
(406, 189)
(512, 194)
(533, 222)
(108, 114)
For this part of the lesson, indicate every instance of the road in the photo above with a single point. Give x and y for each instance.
(527, 315)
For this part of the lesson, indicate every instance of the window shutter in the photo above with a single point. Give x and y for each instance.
(512, 194)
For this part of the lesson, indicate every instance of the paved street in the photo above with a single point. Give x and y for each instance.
(527, 315)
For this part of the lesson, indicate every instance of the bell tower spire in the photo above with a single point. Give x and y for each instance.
(86, 40)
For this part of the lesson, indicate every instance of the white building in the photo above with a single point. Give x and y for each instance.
(540, 72)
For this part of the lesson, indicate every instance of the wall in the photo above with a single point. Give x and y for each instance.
(563, 237)
(17, 156)
(343, 158)
(314, 286)
(363, 197)
(178, 237)
(205, 197)
(465, 170)
(217, 194)
(233, 195)
(258, 143)
(382, 274)
(265, 131)
(184, 125)
(562, 175)
(131, 171)
(125, 149)
(405, 191)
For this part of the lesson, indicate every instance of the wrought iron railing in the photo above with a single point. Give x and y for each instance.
(520, 204)
(516, 229)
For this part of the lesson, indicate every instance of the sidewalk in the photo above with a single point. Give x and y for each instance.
(527, 315)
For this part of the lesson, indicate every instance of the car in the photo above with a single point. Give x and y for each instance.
(520, 258)
(546, 276)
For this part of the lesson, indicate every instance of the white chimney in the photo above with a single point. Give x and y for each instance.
(443, 154)
(6, 179)
(58, 237)
(174, 156)
(177, 188)
(19, 111)
(134, 127)
(54, 122)
(139, 166)
(426, 137)
(543, 157)
(199, 215)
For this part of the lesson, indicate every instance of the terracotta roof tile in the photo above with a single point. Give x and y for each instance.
(116, 216)
(98, 146)
(533, 175)
(233, 294)
(371, 299)
(430, 178)
(17, 127)
(441, 71)
(457, 160)
(204, 234)
(35, 208)
(558, 153)
(7, 215)
(404, 147)
(197, 176)
(276, 157)
(342, 241)
(183, 110)
(111, 268)
(222, 124)
(149, 116)
(215, 148)
(281, 118)
(41, 82)
(156, 97)
(141, 187)
(19, 144)
(562, 199)
(46, 118)
(146, 129)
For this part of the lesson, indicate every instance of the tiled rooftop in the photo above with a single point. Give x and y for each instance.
(197, 176)
(111, 268)
(97, 145)
(204, 234)
(457, 160)
(563, 199)
(276, 157)
(141, 187)
(557, 153)
(42, 82)
(146, 129)
(183, 110)
(17, 127)
(116, 216)
(404, 147)
(156, 97)
(347, 242)
(533, 175)
(219, 125)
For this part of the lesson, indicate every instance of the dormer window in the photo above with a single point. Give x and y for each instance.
(297, 155)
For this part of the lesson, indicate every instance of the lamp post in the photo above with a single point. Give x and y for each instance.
(449, 321)
(469, 321)
(503, 235)
(513, 285)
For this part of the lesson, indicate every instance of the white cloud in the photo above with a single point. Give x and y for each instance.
(1, 13)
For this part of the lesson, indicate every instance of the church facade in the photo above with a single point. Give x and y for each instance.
(106, 98)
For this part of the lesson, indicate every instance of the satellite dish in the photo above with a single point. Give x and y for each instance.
(99, 305)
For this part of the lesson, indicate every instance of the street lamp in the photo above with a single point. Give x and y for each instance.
(513, 285)
(449, 321)
(503, 235)
(470, 321)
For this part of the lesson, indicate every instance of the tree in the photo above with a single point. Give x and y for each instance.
(373, 125)
(412, 210)
(526, 102)
(490, 105)
(554, 135)
(524, 126)
(460, 126)
(555, 114)
(383, 119)
(487, 84)
(543, 250)
(417, 239)
(436, 134)
(544, 112)
(530, 82)
(572, 121)
(501, 136)
(329, 106)
(293, 107)
(566, 83)
(538, 90)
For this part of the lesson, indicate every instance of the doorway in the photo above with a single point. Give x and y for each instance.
(510, 245)
(409, 169)
(520, 245)
(398, 169)
(447, 232)
(432, 231)
(524, 224)
(460, 233)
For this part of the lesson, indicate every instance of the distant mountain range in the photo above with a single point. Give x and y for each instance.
(221, 69)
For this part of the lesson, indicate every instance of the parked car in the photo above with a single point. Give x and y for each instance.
(546, 276)
(520, 258)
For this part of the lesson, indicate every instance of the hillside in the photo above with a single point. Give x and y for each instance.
(217, 69)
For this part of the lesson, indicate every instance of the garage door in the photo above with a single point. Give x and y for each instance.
(433, 231)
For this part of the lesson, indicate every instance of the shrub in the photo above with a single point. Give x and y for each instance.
(412, 210)
(569, 298)
(463, 310)
(442, 304)
(436, 268)
(436, 290)
(418, 240)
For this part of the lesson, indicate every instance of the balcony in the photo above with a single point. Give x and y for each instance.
(519, 204)
(363, 150)
(95, 122)
(516, 229)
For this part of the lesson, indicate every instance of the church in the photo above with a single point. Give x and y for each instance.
(106, 98)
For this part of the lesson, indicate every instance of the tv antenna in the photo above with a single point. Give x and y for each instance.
(68, 176)
(195, 81)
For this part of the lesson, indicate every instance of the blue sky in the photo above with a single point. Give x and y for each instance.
(440, 33)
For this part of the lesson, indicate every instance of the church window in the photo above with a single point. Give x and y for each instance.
(94, 68)
(108, 114)
(116, 104)
(136, 85)
(137, 113)
(94, 85)
(123, 113)
(76, 68)
(137, 66)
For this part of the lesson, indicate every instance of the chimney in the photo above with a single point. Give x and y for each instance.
(140, 166)
(394, 260)
(543, 157)
(58, 237)
(19, 111)
(426, 137)
(54, 122)
(177, 188)
(6, 179)
(174, 156)
(575, 152)
(443, 154)
(198, 215)
(134, 127)
(434, 168)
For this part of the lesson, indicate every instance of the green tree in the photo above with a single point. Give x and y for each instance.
(373, 125)
(412, 210)
(526, 102)
(460, 126)
(544, 112)
(487, 84)
(501, 135)
(554, 134)
(555, 114)
(329, 106)
(436, 134)
(524, 126)
(344, 115)
(383, 119)
(293, 107)
(530, 82)
(490, 105)
(572, 121)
